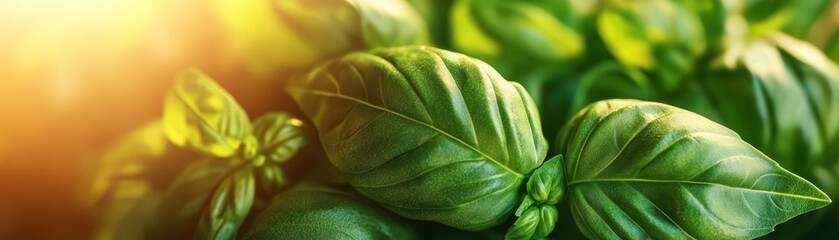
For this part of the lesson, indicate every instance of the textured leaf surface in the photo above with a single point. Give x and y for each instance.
(314, 212)
(647, 170)
(429, 134)
(200, 114)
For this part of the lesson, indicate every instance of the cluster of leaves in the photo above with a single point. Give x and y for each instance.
(733, 121)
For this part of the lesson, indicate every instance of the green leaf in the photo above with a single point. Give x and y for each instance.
(547, 184)
(436, 15)
(280, 136)
(269, 178)
(199, 114)
(229, 205)
(534, 223)
(609, 80)
(314, 212)
(302, 33)
(183, 201)
(127, 157)
(664, 37)
(784, 99)
(403, 121)
(647, 170)
(126, 214)
(528, 29)
(518, 38)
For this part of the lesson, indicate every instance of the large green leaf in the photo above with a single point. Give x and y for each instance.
(280, 136)
(200, 114)
(315, 212)
(647, 170)
(429, 134)
(229, 205)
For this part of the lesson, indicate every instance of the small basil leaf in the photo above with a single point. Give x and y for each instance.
(408, 120)
(182, 203)
(547, 184)
(525, 226)
(548, 216)
(314, 212)
(280, 136)
(269, 178)
(200, 114)
(648, 170)
(229, 205)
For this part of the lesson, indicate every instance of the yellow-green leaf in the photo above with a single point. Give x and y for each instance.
(199, 114)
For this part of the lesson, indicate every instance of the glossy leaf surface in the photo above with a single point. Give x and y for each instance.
(429, 134)
(647, 170)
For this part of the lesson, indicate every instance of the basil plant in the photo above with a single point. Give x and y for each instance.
(238, 158)
(439, 136)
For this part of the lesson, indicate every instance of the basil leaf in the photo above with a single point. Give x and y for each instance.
(520, 39)
(269, 178)
(182, 203)
(664, 37)
(610, 80)
(647, 170)
(314, 212)
(302, 33)
(790, 93)
(201, 115)
(126, 214)
(436, 15)
(127, 157)
(408, 120)
(229, 205)
(524, 27)
(280, 136)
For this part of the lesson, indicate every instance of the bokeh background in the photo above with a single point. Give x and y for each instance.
(75, 75)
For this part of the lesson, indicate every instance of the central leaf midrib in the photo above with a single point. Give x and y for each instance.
(194, 109)
(496, 162)
(641, 180)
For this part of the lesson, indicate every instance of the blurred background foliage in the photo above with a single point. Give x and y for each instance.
(83, 155)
